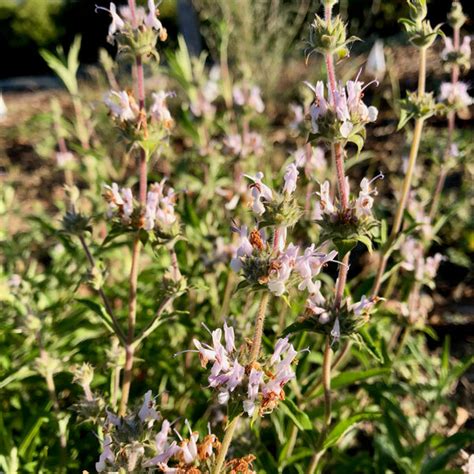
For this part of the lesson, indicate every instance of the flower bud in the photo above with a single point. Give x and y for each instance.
(75, 223)
(421, 34)
(329, 38)
(418, 10)
(456, 17)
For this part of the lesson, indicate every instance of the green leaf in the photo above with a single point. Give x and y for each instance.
(298, 416)
(344, 246)
(343, 426)
(99, 310)
(351, 377)
(358, 141)
(369, 345)
(366, 241)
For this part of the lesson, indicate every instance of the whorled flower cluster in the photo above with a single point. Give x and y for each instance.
(124, 108)
(124, 21)
(455, 95)
(321, 316)
(131, 443)
(245, 95)
(159, 211)
(343, 114)
(258, 386)
(359, 208)
(275, 264)
(457, 56)
(424, 268)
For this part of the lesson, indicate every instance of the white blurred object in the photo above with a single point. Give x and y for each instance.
(375, 65)
(3, 108)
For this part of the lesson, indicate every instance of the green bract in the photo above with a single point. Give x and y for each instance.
(418, 10)
(456, 17)
(414, 106)
(345, 229)
(329, 38)
(283, 210)
(421, 34)
(349, 321)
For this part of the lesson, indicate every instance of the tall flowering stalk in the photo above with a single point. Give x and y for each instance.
(133, 280)
(338, 120)
(420, 106)
(150, 217)
(456, 57)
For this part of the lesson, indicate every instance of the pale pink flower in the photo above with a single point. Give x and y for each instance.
(290, 178)
(456, 94)
(259, 191)
(121, 105)
(159, 109)
(106, 455)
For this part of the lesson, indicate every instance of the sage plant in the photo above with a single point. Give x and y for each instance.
(420, 106)
(456, 57)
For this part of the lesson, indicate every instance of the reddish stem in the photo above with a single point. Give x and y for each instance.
(451, 127)
(134, 270)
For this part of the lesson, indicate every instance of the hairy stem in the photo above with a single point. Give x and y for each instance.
(134, 270)
(259, 324)
(229, 434)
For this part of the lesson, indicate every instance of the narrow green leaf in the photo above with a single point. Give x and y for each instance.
(298, 416)
(99, 310)
(343, 426)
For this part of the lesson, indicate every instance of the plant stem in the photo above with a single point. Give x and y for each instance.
(50, 385)
(229, 434)
(343, 268)
(337, 361)
(341, 281)
(415, 145)
(259, 323)
(451, 127)
(108, 307)
(133, 280)
(327, 407)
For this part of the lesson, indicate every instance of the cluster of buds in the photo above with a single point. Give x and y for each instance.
(249, 97)
(135, 32)
(416, 106)
(247, 144)
(342, 116)
(158, 214)
(148, 128)
(256, 388)
(329, 37)
(132, 444)
(345, 227)
(424, 269)
(322, 317)
(420, 32)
